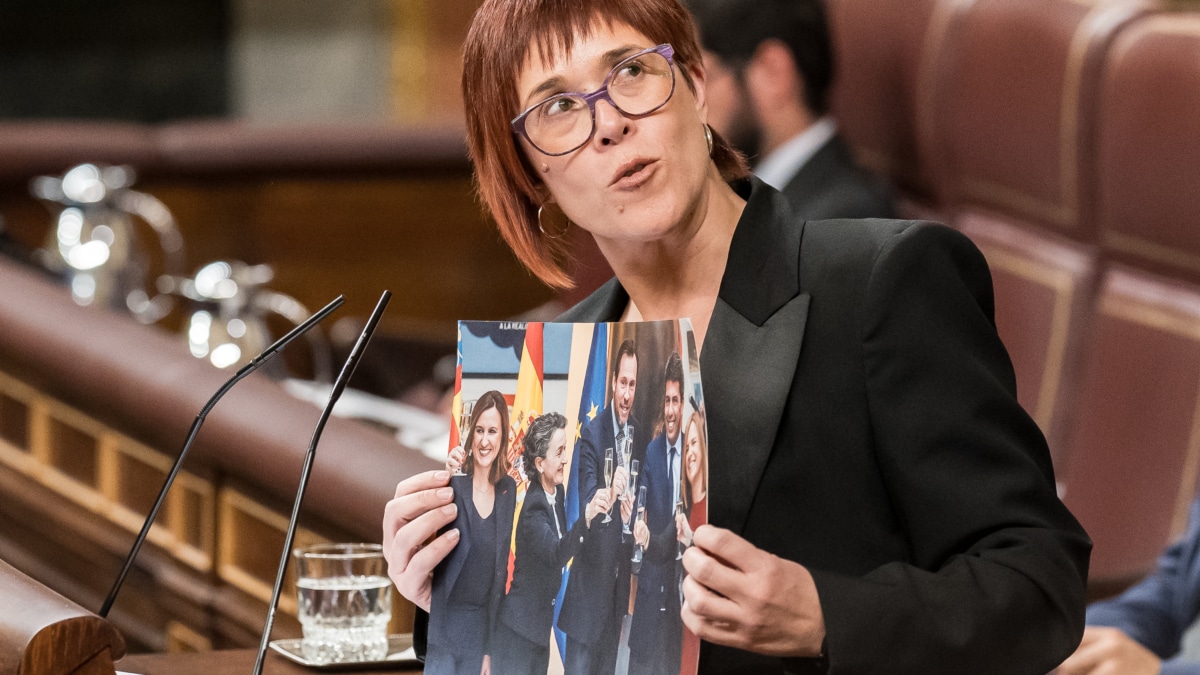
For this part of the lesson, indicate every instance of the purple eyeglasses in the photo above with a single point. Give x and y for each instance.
(637, 86)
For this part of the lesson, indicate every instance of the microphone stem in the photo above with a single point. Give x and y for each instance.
(245, 370)
(289, 539)
(162, 493)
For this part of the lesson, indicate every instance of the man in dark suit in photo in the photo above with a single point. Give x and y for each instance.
(597, 596)
(657, 631)
(770, 66)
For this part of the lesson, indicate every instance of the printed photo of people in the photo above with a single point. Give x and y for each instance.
(578, 454)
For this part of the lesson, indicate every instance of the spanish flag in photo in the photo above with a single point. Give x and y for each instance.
(527, 405)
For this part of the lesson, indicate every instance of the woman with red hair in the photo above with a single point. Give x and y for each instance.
(877, 499)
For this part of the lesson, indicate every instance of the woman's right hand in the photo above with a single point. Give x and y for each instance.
(423, 504)
(601, 503)
(455, 460)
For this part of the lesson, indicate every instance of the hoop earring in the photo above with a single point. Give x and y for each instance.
(552, 222)
(708, 138)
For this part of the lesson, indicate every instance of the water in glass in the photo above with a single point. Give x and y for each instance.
(345, 618)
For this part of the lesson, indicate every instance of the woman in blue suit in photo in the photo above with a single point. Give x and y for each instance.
(469, 584)
(544, 545)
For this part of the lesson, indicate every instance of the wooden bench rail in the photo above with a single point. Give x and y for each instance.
(43, 633)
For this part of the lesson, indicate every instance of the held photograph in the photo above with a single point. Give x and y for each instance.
(578, 455)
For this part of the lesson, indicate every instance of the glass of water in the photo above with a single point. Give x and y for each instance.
(345, 602)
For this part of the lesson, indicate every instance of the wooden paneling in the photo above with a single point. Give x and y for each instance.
(204, 579)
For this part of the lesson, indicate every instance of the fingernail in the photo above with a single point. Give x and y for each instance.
(452, 534)
(441, 476)
(450, 509)
(445, 493)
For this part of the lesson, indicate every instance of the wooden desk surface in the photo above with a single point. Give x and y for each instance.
(229, 662)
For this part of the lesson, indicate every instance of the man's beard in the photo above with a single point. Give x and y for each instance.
(746, 135)
(748, 138)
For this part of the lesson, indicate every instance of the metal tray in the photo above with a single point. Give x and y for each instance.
(400, 653)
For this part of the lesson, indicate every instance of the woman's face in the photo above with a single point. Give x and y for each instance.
(636, 180)
(694, 455)
(556, 454)
(486, 441)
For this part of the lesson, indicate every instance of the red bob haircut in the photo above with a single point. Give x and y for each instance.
(500, 38)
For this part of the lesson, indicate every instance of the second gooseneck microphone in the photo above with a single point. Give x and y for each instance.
(338, 386)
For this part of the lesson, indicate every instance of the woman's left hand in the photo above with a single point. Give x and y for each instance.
(487, 665)
(738, 595)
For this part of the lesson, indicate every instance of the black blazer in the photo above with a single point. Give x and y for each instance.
(528, 609)
(831, 185)
(863, 422)
(598, 586)
(442, 628)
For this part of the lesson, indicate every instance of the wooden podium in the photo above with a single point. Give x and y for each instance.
(43, 633)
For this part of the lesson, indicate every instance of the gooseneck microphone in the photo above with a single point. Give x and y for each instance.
(338, 386)
(162, 494)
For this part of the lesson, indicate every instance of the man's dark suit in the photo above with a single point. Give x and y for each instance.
(831, 185)
(449, 629)
(597, 595)
(528, 609)
(863, 422)
(657, 631)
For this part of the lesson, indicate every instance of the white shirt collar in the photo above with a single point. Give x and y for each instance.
(553, 511)
(779, 167)
(617, 426)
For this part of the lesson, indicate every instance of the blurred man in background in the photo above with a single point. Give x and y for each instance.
(770, 67)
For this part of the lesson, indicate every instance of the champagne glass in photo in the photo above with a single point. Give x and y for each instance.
(630, 487)
(625, 447)
(608, 477)
(464, 426)
(679, 544)
(639, 514)
(627, 453)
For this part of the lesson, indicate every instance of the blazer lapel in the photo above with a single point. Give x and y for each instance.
(504, 511)
(751, 351)
(463, 522)
(560, 511)
(747, 373)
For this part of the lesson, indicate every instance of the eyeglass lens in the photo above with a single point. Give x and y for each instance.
(637, 86)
